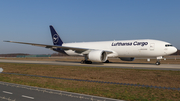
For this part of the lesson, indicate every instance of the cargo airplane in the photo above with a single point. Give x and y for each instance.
(126, 50)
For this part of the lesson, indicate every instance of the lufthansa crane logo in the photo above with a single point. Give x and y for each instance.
(55, 38)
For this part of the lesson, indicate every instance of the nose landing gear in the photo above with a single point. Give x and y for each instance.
(158, 60)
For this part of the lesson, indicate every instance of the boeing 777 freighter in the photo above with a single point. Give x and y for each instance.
(126, 50)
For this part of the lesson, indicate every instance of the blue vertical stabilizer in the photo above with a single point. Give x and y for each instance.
(55, 37)
(56, 40)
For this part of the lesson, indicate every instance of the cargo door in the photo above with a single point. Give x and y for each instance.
(152, 46)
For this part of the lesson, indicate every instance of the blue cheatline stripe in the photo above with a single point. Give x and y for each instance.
(117, 83)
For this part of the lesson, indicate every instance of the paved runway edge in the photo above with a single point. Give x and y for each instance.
(57, 92)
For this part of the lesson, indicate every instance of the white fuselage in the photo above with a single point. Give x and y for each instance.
(127, 48)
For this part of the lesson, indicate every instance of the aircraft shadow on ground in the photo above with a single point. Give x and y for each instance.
(68, 61)
(130, 63)
(99, 63)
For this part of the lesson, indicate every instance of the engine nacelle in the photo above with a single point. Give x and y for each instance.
(127, 58)
(97, 56)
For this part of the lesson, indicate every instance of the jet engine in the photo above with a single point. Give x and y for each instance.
(97, 56)
(127, 58)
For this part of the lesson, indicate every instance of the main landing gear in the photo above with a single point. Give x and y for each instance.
(107, 61)
(86, 62)
(90, 62)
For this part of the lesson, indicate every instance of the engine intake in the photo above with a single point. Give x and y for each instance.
(97, 56)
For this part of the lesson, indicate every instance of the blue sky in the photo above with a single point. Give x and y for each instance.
(86, 20)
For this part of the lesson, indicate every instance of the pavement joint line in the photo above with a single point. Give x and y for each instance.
(27, 97)
(7, 92)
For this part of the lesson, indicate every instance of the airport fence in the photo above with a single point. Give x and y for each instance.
(117, 83)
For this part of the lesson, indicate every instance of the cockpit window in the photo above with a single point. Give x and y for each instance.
(168, 45)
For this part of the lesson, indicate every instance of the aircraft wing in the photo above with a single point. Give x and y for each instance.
(76, 49)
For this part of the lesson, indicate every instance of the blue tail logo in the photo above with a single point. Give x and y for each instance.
(55, 37)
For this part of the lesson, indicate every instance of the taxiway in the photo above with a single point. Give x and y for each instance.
(17, 92)
(175, 67)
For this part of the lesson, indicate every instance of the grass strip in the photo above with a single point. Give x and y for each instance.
(138, 85)
(131, 93)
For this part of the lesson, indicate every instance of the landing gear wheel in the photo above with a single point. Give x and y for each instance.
(85, 62)
(158, 63)
(107, 61)
(88, 62)
(82, 61)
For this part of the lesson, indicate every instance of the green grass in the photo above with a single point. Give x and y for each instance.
(130, 93)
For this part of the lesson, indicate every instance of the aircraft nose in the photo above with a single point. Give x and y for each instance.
(170, 50)
(174, 49)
